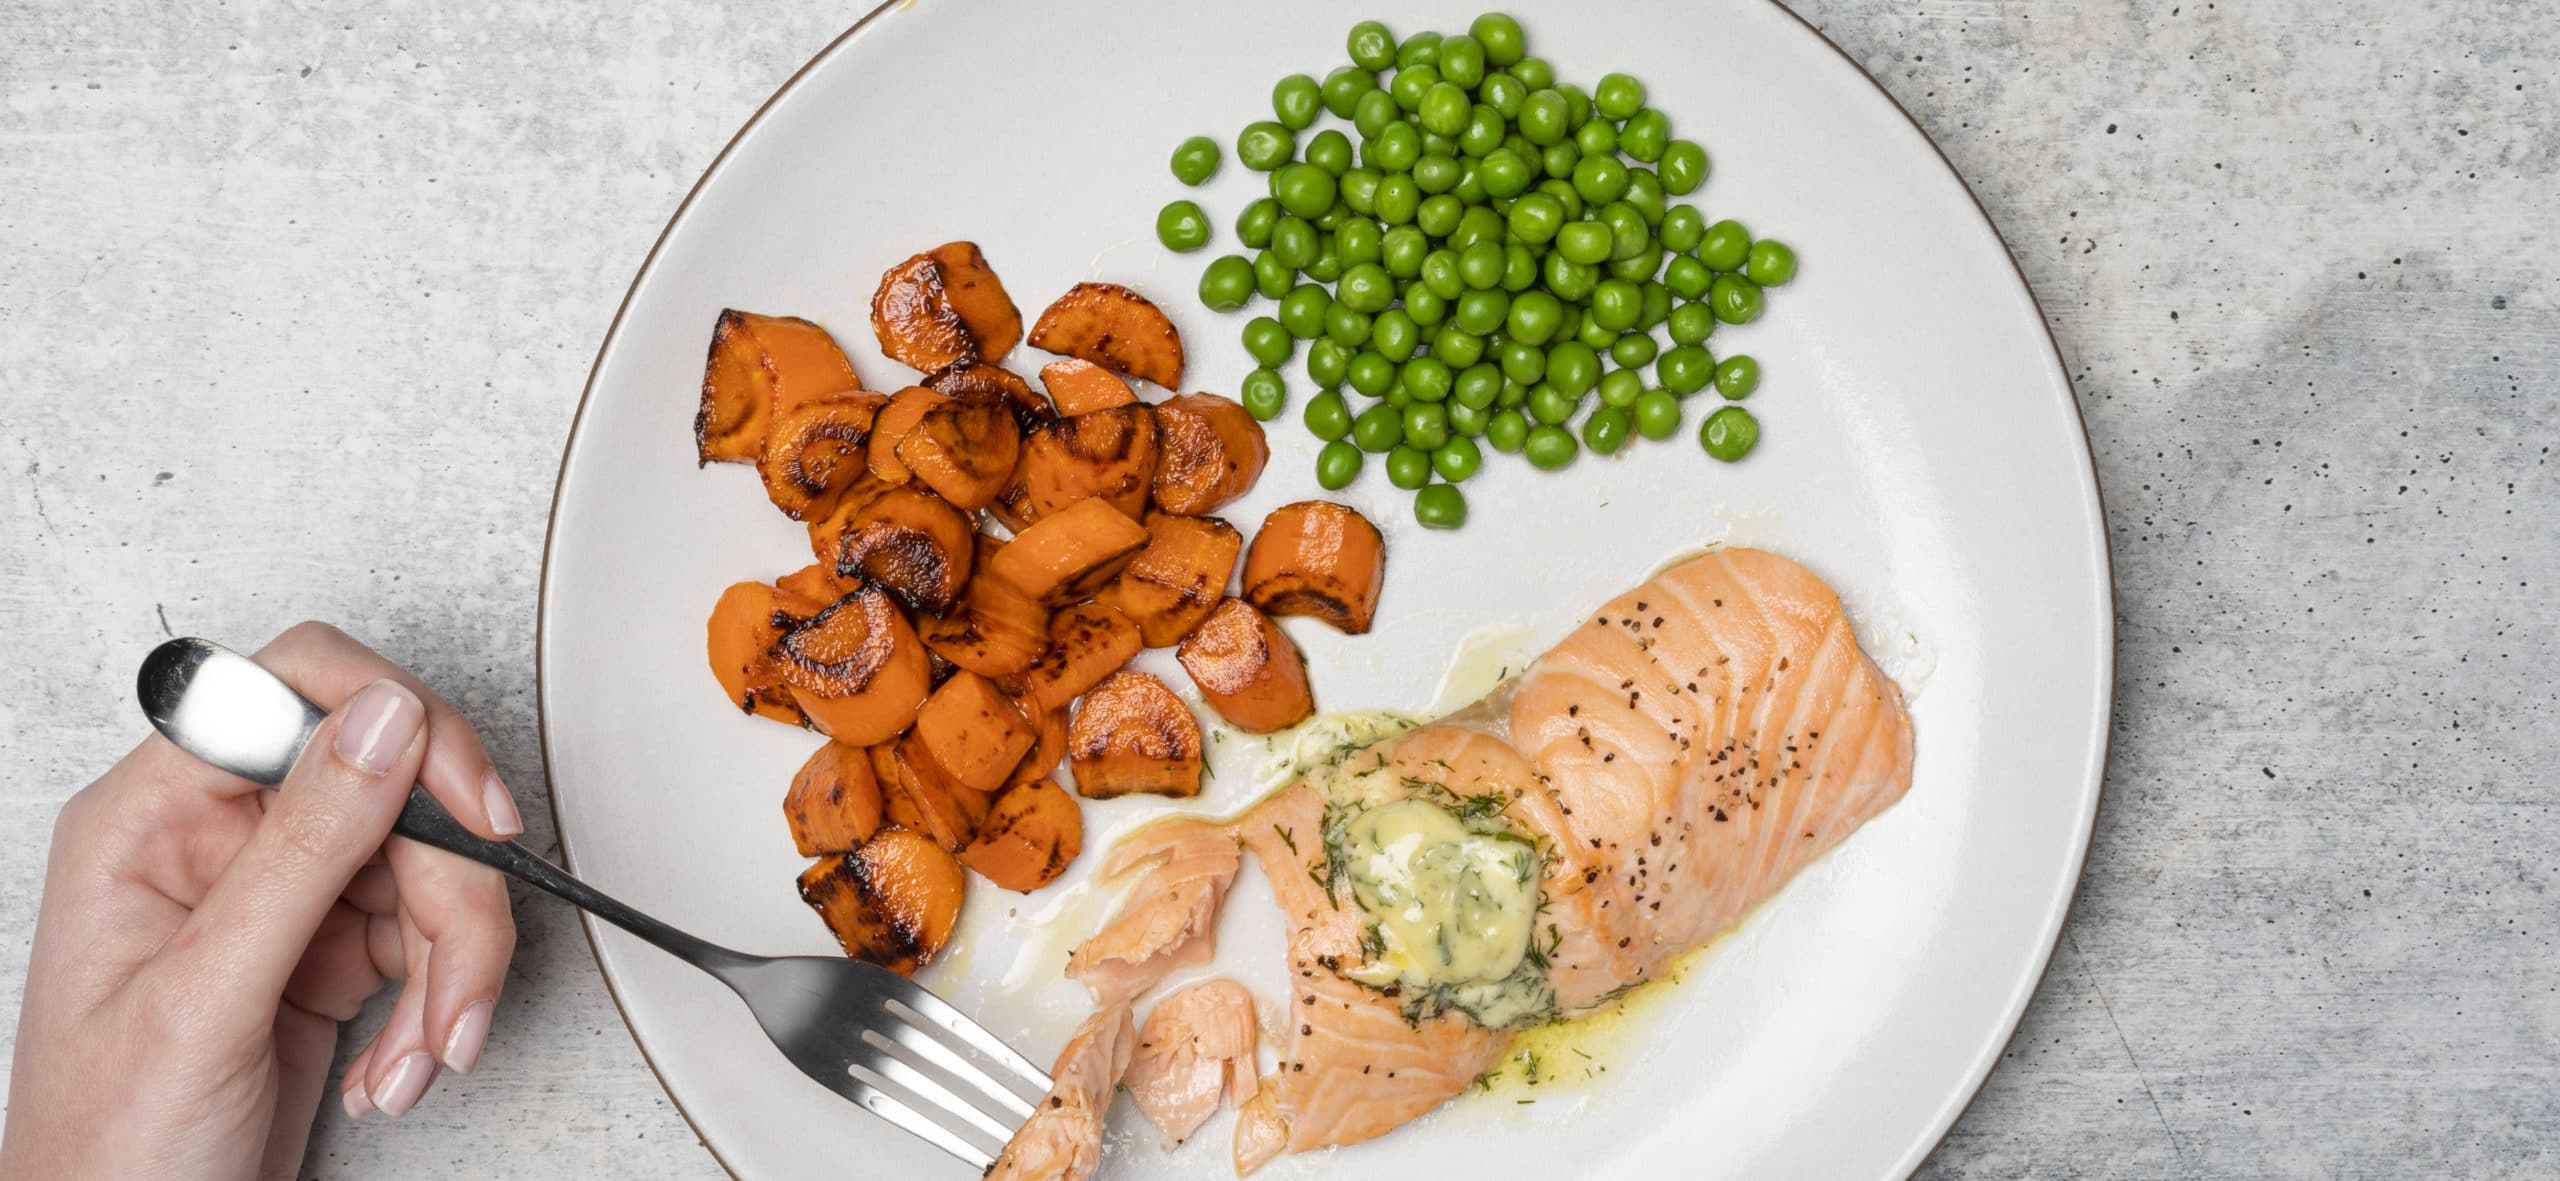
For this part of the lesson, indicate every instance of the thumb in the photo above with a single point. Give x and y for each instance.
(333, 810)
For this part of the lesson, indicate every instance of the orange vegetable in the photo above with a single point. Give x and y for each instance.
(1012, 506)
(1033, 830)
(969, 376)
(1247, 669)
(1211, 453)
(943, 305)
(1174, 583)
(949, 810)
(855, 668)
(1077, 386)
(1068, 554)
(897, 807)
(815, 450)
(996, 630)
(912, 544)
(1113, 327)
(834, 802)
(1048, 751)
(1132, 735)
(759, 367)
(816, 582)
(745, 624)
(827, 528)
(964, 449)
(1087, 643)
(974, 732)
(1106, 453)
(906, 408)
(893, 901)
(1317, 558)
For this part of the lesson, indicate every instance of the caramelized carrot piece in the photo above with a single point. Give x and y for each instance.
(827, 528)
(1317, 558)
(1132, 735)
(1069, 554)
(759, 367)
(1077, 386)
(749, 618)
(964, 449)
(949, 810)
(815, 581)
(856, 668)
(1033, 830)
(1048, 751)
(1113, 327)
(943, 305)
(974, 731)
(893, 901)
(1087, 642)
(1211, 452)
(1109, 454)
(912, 544)
(1012, 506)
(971, 376)
(1247, 669)
(816, 450)
(906, 408)
(834, 802)
(897, 805)
(996, 631)
(1174, 583)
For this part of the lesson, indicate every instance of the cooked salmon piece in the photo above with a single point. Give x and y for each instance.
(1062, 1141)
(1196, 1046)
(1260, 1132)
(1168, 920)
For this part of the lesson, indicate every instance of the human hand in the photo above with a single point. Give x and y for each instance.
(201, 938)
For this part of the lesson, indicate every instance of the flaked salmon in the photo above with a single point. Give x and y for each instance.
(1169, 918)
(1197, 1045)
(1062, 1141)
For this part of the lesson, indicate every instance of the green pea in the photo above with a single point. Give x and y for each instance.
(1304, 189)
(1295, 101)
(1682, 228)
(1481, 312)
(1606, 430)
(1444, 109)
(1419, 49)
(1550, 406)
(1341, 90)
(1513, 394)
(1457, 460)
(1533, 72)
(1436, 174)
(1394, 149)
(1263, 393)
(1770, 264)
(1657, 414)
(1328, 265)
(1584, 242)
(1567, 199)
(1425, 377)
(1373, 113)
(1522, 362)
(1737, 377)
(1366, 287)
(1657, 305)
(1468, 421)
(1424, 307)
(1536, 217)
(1572, 367)
(1644, 191)
(1477, 386)
(1618, 96)
(1293, 241)
(1436, 144)
(1570, 279)
(1617, 304)
(1182, 227)
(1345, 327)
(1726, 247)
(1500, 36)
(1402, 249)
(1640, 266)
(1331, 151)
(1426, 425)
(1358, 240)
(1408, 468)
(1303, 309)
(1687, 277)
(1645, 136)
(1577, 106)
(1550, 447)
(1394, 334)
(1692, 323)
(1479, 266)
(1684, 167)
(1370, 373)
(1327, 416)
(1457, 346)
(1519, 268)
(1504, 94)
(1685, 370)
(1600, 179)
(1503, 173)
(1620, 387)
(1267, 342)
(1634, 350)
(1534, 317)
(1628, 233)
(1337, 465)
(1195, 160)
(1544, 117)
(1377, 428)
(1477, 226)
(1265, 145)
(1328, 362)
(1736, 300)
(1253, 225)
(1438, 215)
(1440, 506)
(1410, 83)
(1227, 284)
(1506, 431)
(1359, 189)
(1442, 273)
(1557, 160)
(1591, 333)
(1398, 199)
(1372, 46)
(1484, 131)
(1729, 433)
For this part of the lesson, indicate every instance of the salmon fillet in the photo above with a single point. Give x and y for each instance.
(1062, 1141)
(1169, 918)
(1197, 1045)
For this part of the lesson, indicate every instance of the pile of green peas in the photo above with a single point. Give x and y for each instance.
(1486, 266)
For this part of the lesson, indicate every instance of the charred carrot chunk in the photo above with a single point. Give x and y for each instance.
(912, 544)
(1030, 835)
(949, 810)
(974, 731)
(1047, 751)
(889, 428)
(964, 449)
(1110, 454)
(816, 450)
(1077, 386)
(856, 668)
(1210, 451)
(1174, 583)
(744, 626)
(1320, 559)
(1113, 327)
(834, 802)
(941, 306)
(894, 901)
(968, 376)
(1087, 643)
(997, 630)
(1132, 735)
(760, 367)
(1071, 553)
(1247, 669)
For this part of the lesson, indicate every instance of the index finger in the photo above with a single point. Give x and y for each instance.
(328, 666)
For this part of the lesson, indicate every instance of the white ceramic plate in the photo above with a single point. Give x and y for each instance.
(1920, 449)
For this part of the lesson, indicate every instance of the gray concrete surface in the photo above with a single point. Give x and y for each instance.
(2300, 258)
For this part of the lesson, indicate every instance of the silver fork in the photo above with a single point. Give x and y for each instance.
(860, 1030)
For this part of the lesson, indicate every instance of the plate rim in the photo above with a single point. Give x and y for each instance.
(2023, 992)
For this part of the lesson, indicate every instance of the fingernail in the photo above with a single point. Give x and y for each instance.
(377, 727)
(406, 1083)
(500, 806)
(357, 1104)
(462, 1050)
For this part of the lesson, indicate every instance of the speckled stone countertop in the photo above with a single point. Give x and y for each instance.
(296, 301)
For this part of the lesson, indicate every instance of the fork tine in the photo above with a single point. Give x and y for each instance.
(934, 1012)
(921, 1043)
(894, 1069)
(889, 1107)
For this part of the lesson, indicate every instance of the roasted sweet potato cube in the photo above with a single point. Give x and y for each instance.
(1320, 559)
(971, 376)
(1247, 669)
(1209, 452)
(974, 731)
(1087, 642)
(834, 802)
(1174, 583)
(1031, 833)
(856, 668)
(949, 809)
(744, 626)
(1077, 386)
(816, 450)
(1113, 327)
(760, 367)
(893, 901)
(1131, 735)
(912, 544)
(1067, 555)
(943, 305)
(1109, 454)
(964, 449)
